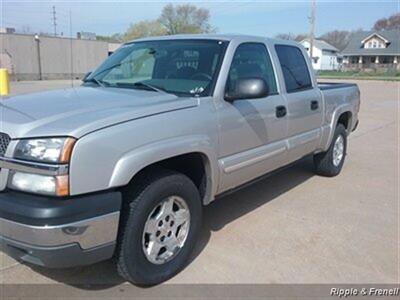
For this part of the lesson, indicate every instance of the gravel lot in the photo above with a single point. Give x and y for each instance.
(293, 227)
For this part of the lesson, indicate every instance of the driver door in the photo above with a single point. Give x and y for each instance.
(252, 132)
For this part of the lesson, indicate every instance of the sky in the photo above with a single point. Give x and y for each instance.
(264, 18)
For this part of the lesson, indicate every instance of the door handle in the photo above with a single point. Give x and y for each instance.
(280, 111)
(314, 105)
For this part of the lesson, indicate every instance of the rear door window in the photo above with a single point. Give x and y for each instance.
(294, 68)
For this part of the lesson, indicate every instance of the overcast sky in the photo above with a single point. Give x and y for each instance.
(265, 18)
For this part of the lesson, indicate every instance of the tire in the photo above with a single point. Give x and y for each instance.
(143, 202)
(324, 163)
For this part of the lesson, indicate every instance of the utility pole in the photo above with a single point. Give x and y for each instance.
(312, 28)
(54, 20)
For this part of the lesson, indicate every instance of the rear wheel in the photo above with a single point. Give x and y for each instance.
(159, 228)
(330, 163)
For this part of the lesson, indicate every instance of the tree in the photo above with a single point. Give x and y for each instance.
(291, 37)
(185, 18)
(337, 38)
(115, 38)
(381, 24)
(285, 36)
(300, 37)
(144, 29)
(393, 22)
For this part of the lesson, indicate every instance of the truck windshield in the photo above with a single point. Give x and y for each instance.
(181, 67)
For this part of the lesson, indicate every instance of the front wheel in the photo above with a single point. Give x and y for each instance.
(159, 228)
(330, 163)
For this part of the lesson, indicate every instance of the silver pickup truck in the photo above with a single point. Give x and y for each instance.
(122, 165)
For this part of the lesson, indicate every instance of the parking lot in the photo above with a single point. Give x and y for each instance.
(293, 227)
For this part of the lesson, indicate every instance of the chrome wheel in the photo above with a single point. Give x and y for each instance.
(338, 151)
(166, 230)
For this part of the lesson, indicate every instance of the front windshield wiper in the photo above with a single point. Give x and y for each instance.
(150, 86)
(95, 80)
(141, 84)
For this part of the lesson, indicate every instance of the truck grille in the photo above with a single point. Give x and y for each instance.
(4, 141)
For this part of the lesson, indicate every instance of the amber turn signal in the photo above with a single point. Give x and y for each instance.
(67, 150)
(62, 185)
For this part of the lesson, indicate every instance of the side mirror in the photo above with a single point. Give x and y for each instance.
(86, 76)
(248, 88)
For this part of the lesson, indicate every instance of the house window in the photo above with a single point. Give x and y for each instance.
(374, 44)
(369, 44)
(388, 59)
(354, 59)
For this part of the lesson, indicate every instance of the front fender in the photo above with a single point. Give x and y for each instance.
(137, 159)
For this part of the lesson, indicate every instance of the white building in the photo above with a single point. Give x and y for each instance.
(325, 56)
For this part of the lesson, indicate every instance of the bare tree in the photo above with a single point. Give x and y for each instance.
(393, 22)
(381, 24)
(285, 36)
(337, 38)
(300, 37)
(291, 37)
(185, 18)
(144, 29)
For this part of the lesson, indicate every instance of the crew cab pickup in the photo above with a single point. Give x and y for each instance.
(122, 165)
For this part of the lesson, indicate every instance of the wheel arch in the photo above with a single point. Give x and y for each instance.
(192, 156)
(342, 115)
(345, 118)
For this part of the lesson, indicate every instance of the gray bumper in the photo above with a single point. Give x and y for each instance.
(87, 233)
(58, 256)
(59, 233)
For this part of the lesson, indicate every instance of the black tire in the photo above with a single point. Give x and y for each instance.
(140, 200)
(323, 162)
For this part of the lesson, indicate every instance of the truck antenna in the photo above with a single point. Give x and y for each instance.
(312, 28)
(72, 62)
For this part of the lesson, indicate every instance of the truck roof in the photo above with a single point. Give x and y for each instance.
(222, 37)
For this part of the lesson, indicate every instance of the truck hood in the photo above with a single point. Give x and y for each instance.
(78, 111)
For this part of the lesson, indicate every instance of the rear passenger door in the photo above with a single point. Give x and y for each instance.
(304, 101)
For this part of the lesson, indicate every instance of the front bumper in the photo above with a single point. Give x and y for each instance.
(58, 233)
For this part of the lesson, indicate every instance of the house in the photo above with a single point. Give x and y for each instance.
(325, 56)
(372, 50)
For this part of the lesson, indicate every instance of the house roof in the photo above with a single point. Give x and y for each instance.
(320, 44)
(355, 46)
(372, 35)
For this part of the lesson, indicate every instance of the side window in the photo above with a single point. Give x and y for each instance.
(294, 68)
(252, 60)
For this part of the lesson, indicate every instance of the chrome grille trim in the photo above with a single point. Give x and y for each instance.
(4, 142)
(33, 167)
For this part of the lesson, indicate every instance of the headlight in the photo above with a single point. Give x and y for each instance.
(53, 150)
(40, 184)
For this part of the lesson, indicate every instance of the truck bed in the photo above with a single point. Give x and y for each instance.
(334, 85)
